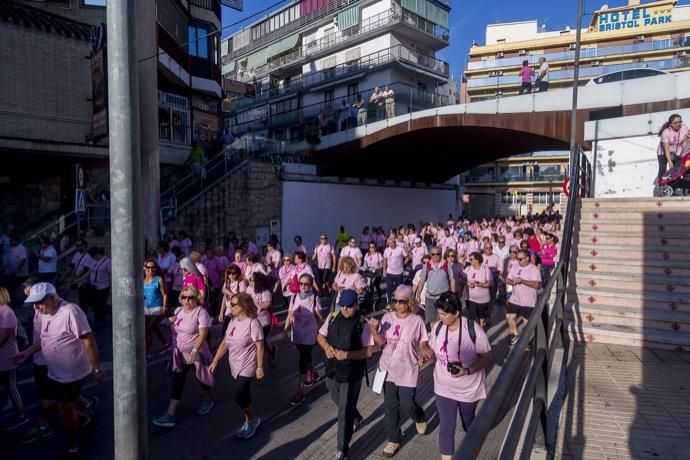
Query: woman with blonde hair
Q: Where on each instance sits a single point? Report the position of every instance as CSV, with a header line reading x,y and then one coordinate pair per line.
x,y
347,278
245,344
190,325
400,333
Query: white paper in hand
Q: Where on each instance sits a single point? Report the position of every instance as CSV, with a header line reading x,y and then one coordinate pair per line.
x,y
379,379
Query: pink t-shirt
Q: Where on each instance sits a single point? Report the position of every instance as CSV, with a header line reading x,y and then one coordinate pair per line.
x,y
478,294
524,295
301,248
8,350
395,259
355,253
399,356
63,349
548,253
272,261
38,356
100,273
193,280
241,265
348,281
214,269
176,276
324,258
305,326
235,287
673,139
264,316
493,263
286,274
374,260
186,327
364,241
526,74
17,254
448,243
249,270
417,253
468,388
380,240
240,339
304,268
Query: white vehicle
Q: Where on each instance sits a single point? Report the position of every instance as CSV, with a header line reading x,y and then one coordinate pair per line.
x,y
629,74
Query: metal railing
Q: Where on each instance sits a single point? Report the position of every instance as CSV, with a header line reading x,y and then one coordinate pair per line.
x,y
397,53
488,178
310,50
541,337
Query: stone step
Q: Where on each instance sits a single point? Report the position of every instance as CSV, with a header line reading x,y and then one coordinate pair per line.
x,y
630,336
649,318
643,284
628,253
635,239
635,205
610,296
650,218
633,266
629,227
649,245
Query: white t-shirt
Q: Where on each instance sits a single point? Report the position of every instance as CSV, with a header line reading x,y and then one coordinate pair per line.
x,y
49,266
544,67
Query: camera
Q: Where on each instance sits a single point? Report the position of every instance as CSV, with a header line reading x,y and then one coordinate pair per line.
x,y
454,368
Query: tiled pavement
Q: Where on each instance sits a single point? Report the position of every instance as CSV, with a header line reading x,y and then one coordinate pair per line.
x,y
626,402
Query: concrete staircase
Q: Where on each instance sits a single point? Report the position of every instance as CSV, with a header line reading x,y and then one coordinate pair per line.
x,y
630,273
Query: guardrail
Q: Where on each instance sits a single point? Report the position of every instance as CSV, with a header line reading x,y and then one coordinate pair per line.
x,y
514,178
543,335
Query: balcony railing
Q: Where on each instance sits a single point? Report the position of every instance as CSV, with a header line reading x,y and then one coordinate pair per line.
x,y
366,63
211,5
501,178
585,53
585,72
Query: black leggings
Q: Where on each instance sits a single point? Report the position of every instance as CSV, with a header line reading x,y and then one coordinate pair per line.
x,y
179,379
304,357
242,394
8,381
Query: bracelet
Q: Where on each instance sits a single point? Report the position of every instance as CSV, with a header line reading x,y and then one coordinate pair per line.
x,y
259,368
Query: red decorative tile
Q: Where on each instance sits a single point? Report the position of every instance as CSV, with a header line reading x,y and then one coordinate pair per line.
x,y
596,204
673,306
659,204
595,240
594,253
590,338
660,215
595,215
589,317
666,256
663,241
595,227
667,271
675,326
592,283
670,288
593,267
591,299
661,228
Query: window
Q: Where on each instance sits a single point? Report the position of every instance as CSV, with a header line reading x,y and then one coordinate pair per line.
x,y
507,198
198,42
555,198
588,52
540,198
94,2
352,90
686,40
661,43
173,118
329,96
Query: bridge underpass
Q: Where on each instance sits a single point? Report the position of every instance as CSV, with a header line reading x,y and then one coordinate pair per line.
x,y
434,145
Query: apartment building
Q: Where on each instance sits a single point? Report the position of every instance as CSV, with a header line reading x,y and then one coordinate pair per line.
x,y
652,35
291,70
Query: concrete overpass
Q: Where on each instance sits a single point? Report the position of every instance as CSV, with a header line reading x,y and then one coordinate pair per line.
x,y
434,145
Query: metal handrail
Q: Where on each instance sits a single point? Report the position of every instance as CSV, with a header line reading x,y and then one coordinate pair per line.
x,y
546,334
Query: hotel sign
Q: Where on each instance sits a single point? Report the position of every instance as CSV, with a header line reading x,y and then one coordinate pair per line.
x,y
633,18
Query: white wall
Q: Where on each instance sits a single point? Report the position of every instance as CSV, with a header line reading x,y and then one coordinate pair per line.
x,y
375,8
368,47
310,208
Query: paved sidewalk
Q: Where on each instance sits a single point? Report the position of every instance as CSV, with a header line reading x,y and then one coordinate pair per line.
x,y
626,402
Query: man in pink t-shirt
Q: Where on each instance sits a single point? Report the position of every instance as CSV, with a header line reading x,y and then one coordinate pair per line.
x,y
324,256
70,352
526,280
394,258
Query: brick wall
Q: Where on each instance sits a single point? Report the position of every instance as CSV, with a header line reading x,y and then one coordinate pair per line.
x,y
248,200
44,96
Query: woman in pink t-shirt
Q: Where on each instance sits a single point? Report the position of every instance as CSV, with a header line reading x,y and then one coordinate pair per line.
x,y
459,376
479,280
192,277
245,344
259,290
400,332
526,74
286,279
347,278
303,267
272,260
525,278
233,284
190,325
304,318
673,137
253,266
373,261
238,260
8,350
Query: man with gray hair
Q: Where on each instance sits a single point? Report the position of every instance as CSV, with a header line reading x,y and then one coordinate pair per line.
x,y
543,75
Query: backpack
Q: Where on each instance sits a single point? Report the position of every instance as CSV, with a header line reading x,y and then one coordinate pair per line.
x,y
470,328
360,328
294,285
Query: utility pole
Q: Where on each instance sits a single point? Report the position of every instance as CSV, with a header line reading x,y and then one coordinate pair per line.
x,y
129,370
576,83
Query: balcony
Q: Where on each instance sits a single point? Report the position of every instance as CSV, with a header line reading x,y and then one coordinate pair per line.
x,y
585,53
505,178
210,5
585,72
400,54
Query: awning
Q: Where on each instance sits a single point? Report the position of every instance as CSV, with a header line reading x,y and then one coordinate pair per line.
x,y
427,10
337,82
425,72
283,45
229,67
257,59
348,18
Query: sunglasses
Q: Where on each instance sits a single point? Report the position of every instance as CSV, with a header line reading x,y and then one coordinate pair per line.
x,y
347,306
150,267
187,297
435,253
287,260
322,238
522,258
400,301
513,252
305,284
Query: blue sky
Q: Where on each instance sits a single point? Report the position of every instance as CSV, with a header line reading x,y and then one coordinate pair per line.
x,y
468,19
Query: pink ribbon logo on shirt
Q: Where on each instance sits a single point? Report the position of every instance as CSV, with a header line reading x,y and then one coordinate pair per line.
x,y
474,276
177,322
444,347
47,326
232,331
397,330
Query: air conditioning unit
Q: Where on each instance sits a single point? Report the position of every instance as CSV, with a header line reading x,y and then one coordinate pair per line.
x,y
682,53
496,73
499,92
595,63
523,52
640,38
499,55
573,46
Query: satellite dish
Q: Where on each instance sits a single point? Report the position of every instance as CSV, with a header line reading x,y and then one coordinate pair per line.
x,y
543,26
604,7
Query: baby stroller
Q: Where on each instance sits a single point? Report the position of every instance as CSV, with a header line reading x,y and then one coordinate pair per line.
x,y
369,298
676,178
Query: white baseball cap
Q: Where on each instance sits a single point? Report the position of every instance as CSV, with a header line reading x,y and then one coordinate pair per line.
x,y
39,291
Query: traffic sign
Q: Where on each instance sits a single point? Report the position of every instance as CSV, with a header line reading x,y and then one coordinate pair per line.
x,y
80,201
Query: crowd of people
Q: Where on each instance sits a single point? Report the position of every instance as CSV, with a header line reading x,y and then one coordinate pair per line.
x,y
442,282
